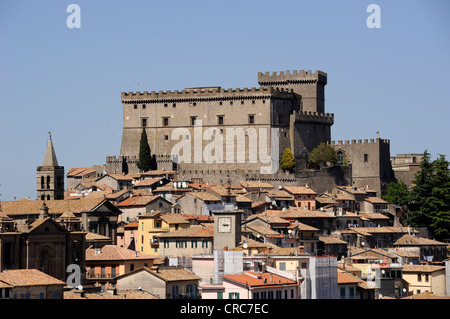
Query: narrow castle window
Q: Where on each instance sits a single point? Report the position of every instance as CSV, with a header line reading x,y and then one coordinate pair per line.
x,y
220,119
174,105
165,121
135,106
143,106
366,158
165,104
242,102
143,122
251,119
193,120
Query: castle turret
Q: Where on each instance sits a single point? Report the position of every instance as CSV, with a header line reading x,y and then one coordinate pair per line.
x,y
50,176
310,85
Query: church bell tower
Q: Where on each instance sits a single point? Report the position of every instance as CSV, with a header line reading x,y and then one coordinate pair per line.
x,y
50,176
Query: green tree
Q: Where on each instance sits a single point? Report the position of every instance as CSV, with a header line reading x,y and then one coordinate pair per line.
x,y
287,161
146,161
322,155
397,193
430,197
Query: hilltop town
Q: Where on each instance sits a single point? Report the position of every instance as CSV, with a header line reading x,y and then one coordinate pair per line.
x,y
223,230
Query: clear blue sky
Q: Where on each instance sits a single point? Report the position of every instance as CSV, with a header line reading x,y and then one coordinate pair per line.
x,y
393,79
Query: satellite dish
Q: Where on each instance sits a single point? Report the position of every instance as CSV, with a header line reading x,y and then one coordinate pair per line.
x,y
245,245
280,187
80,287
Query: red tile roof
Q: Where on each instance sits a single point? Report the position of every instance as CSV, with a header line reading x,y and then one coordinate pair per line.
x,y
255,280
28,277
113,252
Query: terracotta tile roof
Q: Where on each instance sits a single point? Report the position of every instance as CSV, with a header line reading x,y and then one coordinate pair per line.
x,y
252,184
242,199
80,171
342,197
287,251
405,252
205,196
148,181
131,225
121,294
280,195
375,200
353,190
374,216
256,280
329,240
192,231
221,191
93,236
138,201
382,230
299,190
326,200
142,192
175,274
263,230
344,277
410,240
113,252
299,212
57,207
120,177
158,172
118,194
174,219
422,268
426,295
303,227
28,277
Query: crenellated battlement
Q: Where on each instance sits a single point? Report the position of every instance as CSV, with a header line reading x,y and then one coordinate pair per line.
x,y
306,116
291,77
204,93
360,141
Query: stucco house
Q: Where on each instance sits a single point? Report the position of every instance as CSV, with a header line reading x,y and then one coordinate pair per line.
x,y
164,283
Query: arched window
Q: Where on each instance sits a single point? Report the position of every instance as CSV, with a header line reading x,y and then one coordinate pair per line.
x,y
42,181
48,181
48,197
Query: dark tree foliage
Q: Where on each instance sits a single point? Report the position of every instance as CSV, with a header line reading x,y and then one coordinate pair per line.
x,y
429,204
146,161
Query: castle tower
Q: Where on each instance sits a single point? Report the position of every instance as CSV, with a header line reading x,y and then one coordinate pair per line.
x,y
310,85
50,176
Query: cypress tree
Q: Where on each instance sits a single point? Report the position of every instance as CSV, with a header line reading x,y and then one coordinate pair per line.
x,y
145,159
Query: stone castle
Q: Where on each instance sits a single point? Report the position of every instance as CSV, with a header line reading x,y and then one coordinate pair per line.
x,y
291,104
